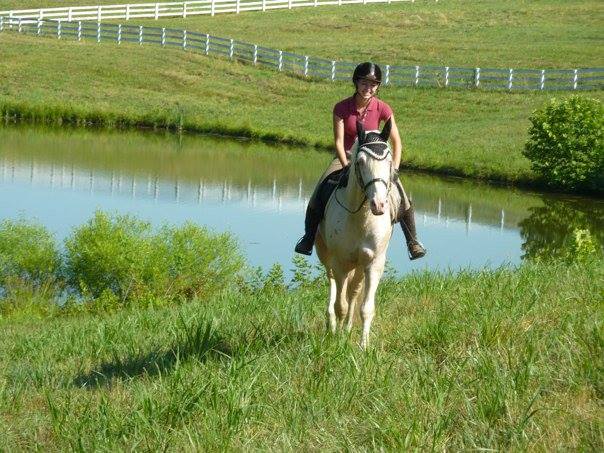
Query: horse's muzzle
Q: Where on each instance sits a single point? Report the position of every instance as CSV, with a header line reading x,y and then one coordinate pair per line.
x,y
378,207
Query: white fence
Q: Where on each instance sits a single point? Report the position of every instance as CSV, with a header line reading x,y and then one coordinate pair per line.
x,y
303,65
174,9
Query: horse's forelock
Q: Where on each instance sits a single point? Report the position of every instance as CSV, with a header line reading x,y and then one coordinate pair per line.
x,y
373,137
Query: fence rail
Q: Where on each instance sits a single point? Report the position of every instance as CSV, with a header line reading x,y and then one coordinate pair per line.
x,y
307,66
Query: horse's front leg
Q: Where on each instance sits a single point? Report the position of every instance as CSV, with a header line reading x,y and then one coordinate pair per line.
x,y
341,303
354,288
331,310
373,274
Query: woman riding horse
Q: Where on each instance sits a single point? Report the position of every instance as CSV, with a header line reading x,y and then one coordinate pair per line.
x,y
366,108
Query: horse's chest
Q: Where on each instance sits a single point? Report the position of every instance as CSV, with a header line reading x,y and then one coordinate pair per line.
x,y
352,239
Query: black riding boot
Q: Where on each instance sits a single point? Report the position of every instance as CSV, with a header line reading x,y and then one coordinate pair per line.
x,y
311,223
316,209
416,250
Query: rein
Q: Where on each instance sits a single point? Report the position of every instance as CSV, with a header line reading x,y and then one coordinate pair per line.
x,y
362,184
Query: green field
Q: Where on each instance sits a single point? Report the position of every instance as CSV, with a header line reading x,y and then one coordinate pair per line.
x,y
508,33
470,133
467,133
504,360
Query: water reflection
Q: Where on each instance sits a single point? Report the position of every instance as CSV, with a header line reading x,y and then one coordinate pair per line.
x,y
549,229
259,193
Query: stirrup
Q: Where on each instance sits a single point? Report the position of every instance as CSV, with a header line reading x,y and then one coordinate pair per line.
x,y
303,247
419,254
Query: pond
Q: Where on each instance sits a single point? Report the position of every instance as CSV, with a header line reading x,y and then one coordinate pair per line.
x,y
259,193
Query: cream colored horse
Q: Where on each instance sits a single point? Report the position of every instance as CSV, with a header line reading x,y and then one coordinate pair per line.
x,y
356,229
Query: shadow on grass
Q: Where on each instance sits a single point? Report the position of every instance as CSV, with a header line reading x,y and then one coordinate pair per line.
x,y
199,341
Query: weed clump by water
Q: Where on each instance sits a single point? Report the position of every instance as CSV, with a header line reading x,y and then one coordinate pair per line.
x,y
29,266
114,260
28,254
120,258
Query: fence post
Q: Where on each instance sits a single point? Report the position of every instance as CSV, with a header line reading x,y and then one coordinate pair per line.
x,y
99,13
140,35
207,44
20,29
184,10
119,33
212,6
79,30
510,79
59,29
387,78
542,85
127,11
184,39
306,66
98,32
69,14
163,36
289,4
316,2
333,70
156,11
39,26
263,5
1,23
280,60
237,7
575,79
255,54
446,76
477,77
231,49
416,76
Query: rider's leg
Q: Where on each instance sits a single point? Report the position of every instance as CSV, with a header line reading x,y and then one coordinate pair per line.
x,y
407,222
315,210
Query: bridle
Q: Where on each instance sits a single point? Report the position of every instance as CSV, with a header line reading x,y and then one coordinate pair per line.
x,y
372,151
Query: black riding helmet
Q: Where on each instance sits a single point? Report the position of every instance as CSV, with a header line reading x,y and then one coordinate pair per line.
x,y
367,70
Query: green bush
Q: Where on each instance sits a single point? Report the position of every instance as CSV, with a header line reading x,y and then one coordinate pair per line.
x,y
196,261
565,143
117,259
28,255
111,253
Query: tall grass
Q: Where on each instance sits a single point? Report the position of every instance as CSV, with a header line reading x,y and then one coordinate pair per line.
x,y
506,359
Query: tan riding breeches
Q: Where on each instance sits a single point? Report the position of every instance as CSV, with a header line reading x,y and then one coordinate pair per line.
x,y
335,165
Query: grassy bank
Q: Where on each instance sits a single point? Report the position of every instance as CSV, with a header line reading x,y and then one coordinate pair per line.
x,y
507,359
465,133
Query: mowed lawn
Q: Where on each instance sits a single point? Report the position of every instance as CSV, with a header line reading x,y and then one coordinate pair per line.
x,y
480,33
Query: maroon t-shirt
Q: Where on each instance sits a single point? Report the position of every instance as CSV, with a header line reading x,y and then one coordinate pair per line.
x,y
376,112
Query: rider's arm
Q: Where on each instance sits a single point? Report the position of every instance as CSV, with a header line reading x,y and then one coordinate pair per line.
x,y
338,137
397,145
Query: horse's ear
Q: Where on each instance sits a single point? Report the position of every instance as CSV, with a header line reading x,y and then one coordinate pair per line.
x,y
385,134
360,132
